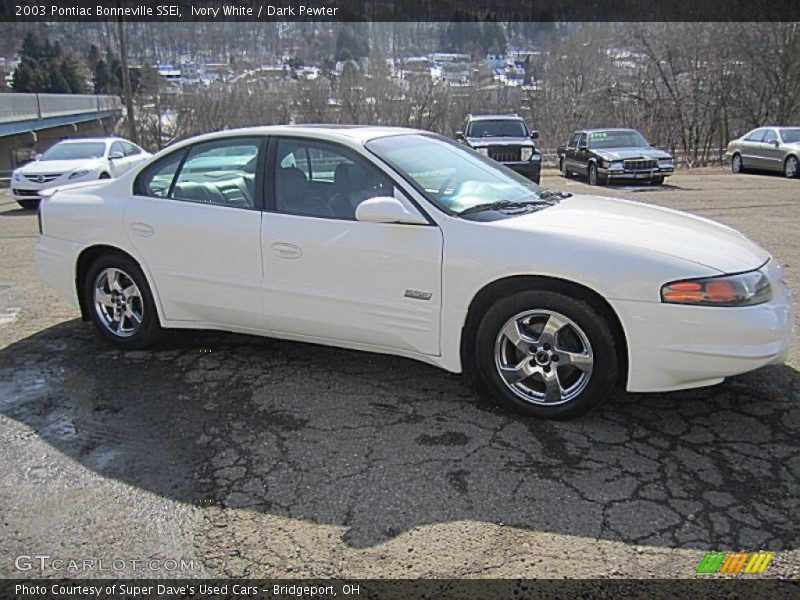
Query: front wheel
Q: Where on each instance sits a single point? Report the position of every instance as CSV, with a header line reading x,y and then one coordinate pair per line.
x,y
658,180
790,167
546,354
564,170
120,303
594,176
737,164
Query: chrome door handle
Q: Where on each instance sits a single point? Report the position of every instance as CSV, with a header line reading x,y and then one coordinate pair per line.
x,y
283,250
142,230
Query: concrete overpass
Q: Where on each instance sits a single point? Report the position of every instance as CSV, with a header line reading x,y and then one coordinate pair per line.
x,y
31,123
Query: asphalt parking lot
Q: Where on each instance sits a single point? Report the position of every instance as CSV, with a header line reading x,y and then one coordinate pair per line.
x,y
261,458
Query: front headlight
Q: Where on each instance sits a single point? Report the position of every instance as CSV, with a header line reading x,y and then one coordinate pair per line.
x,y
617,165
77,174
664,162
15,176
525,153
484,151
744,289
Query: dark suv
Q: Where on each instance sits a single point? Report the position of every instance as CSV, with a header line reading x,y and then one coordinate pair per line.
x,y
506,139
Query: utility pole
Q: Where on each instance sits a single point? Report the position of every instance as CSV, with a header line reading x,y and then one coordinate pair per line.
x,y
126,82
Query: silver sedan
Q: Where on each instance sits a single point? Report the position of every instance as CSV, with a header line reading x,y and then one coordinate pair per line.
x,y
767,149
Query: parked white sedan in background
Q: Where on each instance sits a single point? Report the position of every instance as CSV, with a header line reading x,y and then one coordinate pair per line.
x,y
72,161
403,242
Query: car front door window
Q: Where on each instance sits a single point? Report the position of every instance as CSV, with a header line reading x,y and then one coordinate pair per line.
x,y
316,179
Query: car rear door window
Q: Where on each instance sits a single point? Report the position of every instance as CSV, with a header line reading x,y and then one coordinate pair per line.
x,y
756,135
221,172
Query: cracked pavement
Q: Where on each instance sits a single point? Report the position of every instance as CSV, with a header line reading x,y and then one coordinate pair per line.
x,y
262,458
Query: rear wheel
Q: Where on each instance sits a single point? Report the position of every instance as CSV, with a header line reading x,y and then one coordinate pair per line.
x,y
737,164
791,167
546,354
564,170
120,303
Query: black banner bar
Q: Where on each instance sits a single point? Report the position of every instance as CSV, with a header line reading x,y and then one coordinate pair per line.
x,y
403,589
402,10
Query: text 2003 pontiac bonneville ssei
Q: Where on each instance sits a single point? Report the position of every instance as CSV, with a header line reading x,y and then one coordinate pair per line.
x,y
402,242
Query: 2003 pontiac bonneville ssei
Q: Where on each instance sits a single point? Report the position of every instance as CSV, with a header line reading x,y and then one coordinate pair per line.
x,y
400,241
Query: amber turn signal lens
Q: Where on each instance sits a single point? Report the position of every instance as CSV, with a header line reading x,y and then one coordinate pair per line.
x,y
744,289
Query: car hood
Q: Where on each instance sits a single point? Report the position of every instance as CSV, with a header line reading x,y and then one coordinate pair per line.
x,y
662,230
43,167
623,153
499,141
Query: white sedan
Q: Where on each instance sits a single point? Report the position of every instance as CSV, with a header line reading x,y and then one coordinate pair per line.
x,y
73,161
402,242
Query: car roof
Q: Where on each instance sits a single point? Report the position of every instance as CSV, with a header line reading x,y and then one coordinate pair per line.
x,y
595,129
351,134
494,117
91,139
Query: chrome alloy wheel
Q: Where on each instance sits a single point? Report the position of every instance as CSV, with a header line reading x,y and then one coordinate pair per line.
x,y
790,170
118,302
543,357
736,164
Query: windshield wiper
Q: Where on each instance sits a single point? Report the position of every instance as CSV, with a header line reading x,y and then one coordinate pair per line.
x,y
500,204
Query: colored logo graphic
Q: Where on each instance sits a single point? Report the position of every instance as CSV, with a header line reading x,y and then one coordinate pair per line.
x,y
735,562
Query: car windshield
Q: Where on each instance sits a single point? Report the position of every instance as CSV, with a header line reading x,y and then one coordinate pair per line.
x,y
452,177
75,151
497,128
599,140
791,135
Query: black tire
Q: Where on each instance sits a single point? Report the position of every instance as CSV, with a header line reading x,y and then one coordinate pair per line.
x,y
657,180
564,171
104,176
737,164
791,167
593,176
598,384
28,204
149,329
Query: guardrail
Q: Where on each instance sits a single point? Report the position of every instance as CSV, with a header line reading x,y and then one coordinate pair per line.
x,y
25,107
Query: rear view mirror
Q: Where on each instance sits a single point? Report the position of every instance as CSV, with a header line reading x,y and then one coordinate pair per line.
x,y
385,209
534,135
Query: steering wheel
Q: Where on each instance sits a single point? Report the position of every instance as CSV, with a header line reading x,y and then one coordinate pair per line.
x,y
445,184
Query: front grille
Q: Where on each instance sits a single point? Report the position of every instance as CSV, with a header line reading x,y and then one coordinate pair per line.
x,y
504,153
43,178
640,164
17,192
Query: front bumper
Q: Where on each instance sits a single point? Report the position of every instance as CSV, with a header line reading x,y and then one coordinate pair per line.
x,y
630,175
530,169
672,346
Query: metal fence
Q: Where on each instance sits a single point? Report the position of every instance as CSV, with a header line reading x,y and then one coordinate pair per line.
x,y
26,107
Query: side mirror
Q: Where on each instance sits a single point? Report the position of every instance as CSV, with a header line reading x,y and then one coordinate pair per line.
x,y
534,135
116,156
775,143
385,209
459,135
37,157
